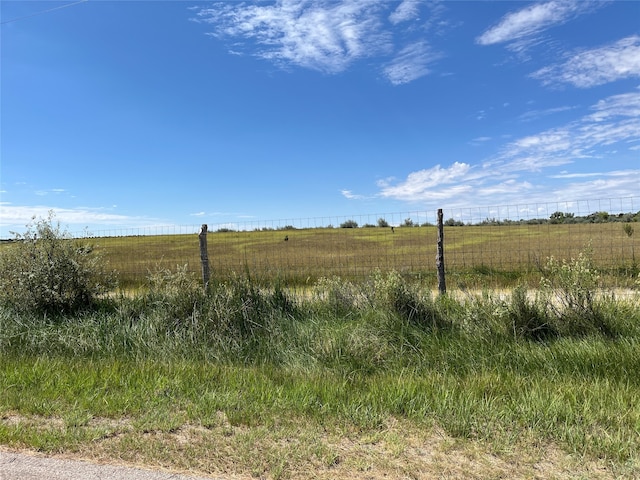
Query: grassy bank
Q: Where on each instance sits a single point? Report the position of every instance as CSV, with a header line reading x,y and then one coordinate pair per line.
x,y
350,381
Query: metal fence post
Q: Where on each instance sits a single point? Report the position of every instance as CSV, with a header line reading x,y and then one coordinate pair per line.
x,y
442,287
204,256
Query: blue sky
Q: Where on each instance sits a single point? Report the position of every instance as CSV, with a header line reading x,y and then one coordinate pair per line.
x,y
130,114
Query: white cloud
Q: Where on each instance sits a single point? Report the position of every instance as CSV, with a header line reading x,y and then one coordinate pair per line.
x,y
614,121
326,35
350,195
625,104
410,64
598,66
530,21
16,217
536,114
619,184
407,10
423,183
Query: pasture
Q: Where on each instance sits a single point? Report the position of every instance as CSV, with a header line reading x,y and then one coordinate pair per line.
x,y
475,256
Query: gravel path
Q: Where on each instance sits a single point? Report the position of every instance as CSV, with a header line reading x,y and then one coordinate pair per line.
x,y
18,466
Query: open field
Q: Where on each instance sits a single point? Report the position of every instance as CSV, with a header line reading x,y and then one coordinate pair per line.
x,y
475,256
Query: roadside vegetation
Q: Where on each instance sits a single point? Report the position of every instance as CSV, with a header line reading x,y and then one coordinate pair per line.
x,y
349,380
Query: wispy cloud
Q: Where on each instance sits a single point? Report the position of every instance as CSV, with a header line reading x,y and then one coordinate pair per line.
x,y
521,27
327,35
350,195
536,114
410,64
612,122
407,10
428,183
594,67
615,119
16,217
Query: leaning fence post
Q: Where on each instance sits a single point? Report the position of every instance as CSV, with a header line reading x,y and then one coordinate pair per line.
x,y
204,256
442,287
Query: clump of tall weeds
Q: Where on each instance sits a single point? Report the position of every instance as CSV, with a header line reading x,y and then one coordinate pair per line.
x,y
529,318
395,294
339,296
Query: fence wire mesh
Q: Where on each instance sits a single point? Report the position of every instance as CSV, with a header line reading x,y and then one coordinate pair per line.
x,y
484,244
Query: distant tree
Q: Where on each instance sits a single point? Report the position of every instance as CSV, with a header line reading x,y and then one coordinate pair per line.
x,y
561,217
407,223
451,222
383,223
349,224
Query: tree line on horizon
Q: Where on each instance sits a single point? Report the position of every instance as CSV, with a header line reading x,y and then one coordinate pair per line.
x,y
557,217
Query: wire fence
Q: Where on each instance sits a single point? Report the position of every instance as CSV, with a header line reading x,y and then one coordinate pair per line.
x,y
482,245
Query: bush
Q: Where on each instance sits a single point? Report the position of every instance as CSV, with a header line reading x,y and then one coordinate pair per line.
x,y
349,224
571,288
44,270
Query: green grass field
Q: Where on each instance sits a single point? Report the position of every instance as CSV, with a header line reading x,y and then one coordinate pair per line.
x,y
475,256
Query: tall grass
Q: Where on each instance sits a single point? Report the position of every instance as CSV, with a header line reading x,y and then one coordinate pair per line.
x,y
557,365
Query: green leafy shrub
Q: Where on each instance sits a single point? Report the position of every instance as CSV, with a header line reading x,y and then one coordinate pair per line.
x,y
572,289
45,270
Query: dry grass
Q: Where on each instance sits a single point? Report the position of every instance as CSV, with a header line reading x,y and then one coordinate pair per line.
x,y
473,254
303,450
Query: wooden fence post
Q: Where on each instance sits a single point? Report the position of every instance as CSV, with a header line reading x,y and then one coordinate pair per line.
x,y
204,256
442,287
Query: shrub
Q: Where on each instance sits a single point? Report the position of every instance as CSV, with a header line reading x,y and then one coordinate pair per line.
x,y
571,288
47,271
349,224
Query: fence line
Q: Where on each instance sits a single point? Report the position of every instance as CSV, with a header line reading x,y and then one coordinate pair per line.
x,y
486,242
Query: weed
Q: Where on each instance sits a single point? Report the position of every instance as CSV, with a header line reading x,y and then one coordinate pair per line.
x,y
529,318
